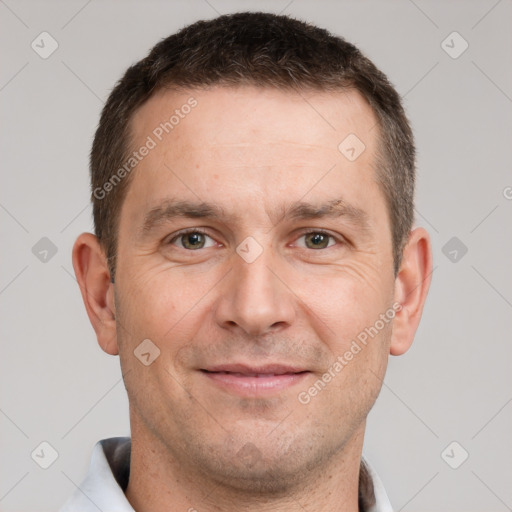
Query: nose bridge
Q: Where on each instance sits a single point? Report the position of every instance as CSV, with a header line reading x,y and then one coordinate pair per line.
x,y
254,298
254,278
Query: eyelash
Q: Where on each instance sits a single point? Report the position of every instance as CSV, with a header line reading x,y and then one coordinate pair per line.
x,y
204,232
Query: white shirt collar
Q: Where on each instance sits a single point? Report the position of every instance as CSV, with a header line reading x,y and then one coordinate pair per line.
x,y
109,471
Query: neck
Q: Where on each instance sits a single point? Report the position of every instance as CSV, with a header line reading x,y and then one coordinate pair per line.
x,y
159,483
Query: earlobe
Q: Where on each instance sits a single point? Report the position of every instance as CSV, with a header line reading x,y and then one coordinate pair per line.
x,y
411,288
93,276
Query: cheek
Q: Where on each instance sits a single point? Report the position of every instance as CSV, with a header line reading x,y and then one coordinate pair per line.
x,y
346,301
167,308
358,342
150,308
155,301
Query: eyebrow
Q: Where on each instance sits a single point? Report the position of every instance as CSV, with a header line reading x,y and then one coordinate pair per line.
x,y
332,209
300,210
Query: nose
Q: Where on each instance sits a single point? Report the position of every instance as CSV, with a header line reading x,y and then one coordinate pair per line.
x,y
255,297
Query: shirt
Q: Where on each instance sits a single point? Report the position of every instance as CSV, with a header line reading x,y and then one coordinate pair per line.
x,y
107,479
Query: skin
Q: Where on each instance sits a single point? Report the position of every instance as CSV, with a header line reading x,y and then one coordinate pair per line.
x,y
253,152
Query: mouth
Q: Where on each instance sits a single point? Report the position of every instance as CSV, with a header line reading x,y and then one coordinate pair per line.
x,y
254,380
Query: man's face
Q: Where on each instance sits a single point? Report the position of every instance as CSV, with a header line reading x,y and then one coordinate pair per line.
x,y
258,302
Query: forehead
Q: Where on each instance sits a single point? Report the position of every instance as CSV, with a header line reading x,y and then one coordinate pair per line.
x,y
224,115
253,144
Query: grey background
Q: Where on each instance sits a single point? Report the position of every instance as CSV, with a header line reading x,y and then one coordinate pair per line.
x,y
453,385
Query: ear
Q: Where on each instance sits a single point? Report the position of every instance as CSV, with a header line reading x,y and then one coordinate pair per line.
x,y
411,287
93,276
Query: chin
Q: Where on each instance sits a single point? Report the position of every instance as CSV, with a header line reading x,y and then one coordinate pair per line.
x,y
268,477
273,469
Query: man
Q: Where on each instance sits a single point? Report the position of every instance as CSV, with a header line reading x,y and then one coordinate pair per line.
x,y
254,265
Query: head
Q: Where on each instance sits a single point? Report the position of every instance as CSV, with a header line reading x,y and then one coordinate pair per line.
x,y
253,183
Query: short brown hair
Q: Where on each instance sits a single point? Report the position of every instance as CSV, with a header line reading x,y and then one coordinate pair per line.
x,y
266,50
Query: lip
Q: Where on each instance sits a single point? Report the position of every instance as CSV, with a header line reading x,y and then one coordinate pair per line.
x,y
254,380
276,369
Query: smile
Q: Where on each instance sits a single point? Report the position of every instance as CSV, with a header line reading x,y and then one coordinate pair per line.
x,y
247,381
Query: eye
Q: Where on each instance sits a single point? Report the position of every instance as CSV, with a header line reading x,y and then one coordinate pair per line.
x,y
318,240
192,240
